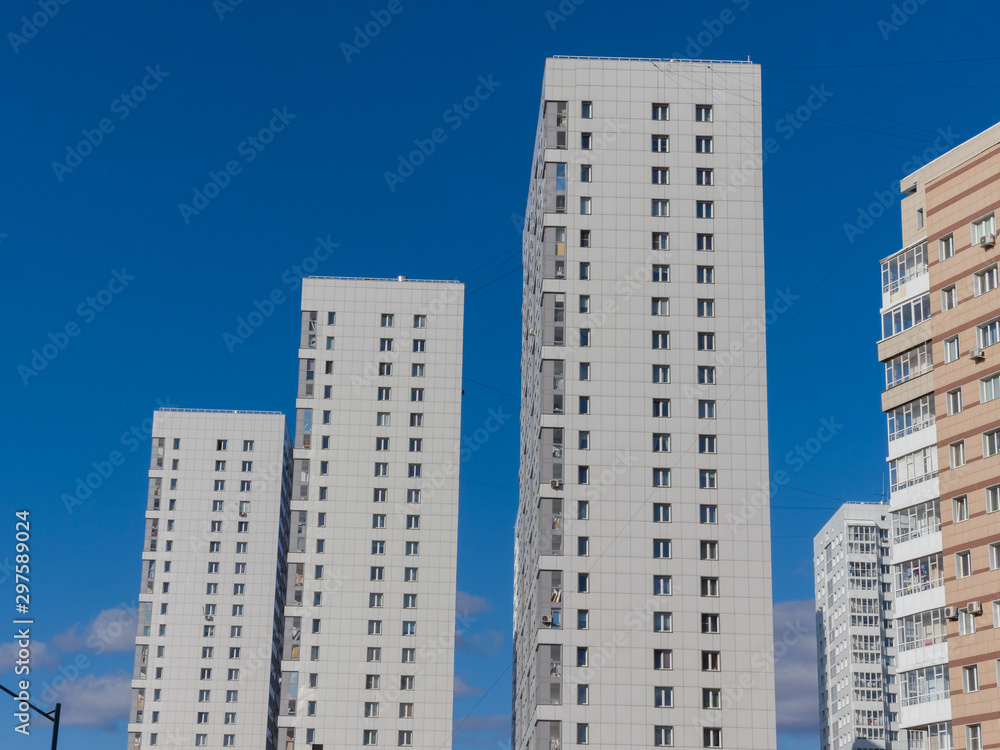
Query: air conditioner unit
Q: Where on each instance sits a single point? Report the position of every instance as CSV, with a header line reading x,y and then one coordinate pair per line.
x,y
546,619
555,484
243,514
988,241
209,618
951,613
977,354
974,608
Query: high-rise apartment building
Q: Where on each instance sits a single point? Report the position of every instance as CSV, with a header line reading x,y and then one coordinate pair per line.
x,y
642,566
212,589
370,613
855,633
941,321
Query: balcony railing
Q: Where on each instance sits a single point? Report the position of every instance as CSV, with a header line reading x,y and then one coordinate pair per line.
x,y
910,275
918,532
915,700
928,640
917,586
903,484
911,428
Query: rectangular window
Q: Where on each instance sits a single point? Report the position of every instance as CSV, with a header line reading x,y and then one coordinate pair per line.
x,y
973,737
706,409
711,737
661,273
583,583
660,306
582,734
960,509
986,280
703,113
709,550
661,477
956,454
661,585
582,695
963,564
661,144
661,111
661,513
706,308
586,173
703,145
993,498
707,479
709,514
419,345
661,176
661,443
710,587
586,206
706,375
583,475
706,444
946,246
706,342
704,209
585,371
661,339
419,321
586,141
661,373
584,271
583,440
583,510
951,349
706,242
385,345
949,298
661,549
661,241
711,661
662,622
660,207
954,401
705,177
663,736
661,407
663,659
582,619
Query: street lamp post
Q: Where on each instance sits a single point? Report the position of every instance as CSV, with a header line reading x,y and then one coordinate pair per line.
x,y
52,715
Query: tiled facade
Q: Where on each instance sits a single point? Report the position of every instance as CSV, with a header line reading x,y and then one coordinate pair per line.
x,y
212,589
370,610
857,644
642,590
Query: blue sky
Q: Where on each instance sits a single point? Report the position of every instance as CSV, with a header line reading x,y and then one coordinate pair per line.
x,y
124,266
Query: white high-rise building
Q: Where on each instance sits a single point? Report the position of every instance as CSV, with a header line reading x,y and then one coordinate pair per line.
x,y
855,633
370,617
213,588
643,565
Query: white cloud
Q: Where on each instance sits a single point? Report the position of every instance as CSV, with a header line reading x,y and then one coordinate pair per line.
x,y
111,631
42,656
98,702
796,678
467,604
464,690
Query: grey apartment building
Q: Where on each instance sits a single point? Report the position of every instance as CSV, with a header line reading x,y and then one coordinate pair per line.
x,y
368,655
855,631
642,589
213,581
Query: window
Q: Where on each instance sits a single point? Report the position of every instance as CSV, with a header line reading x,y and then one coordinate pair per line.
x,y
211,588
584,404
706,242
582,695
663,736
946,246
661,513
583,546
386,321
661,339
704,209
661,373
662,659
660,207
661,241
709,514
584,238
586,141
586,173
949,298
409,601
982,227
660,306
585,371
382,444
414,471
381,469
376,574
711,661
661,273
661,443
409,655
661,477
583,475
709,550
993,498
710,587
412,522
379,494
661,585
989,388
661,407
707,479
963,564
991,443
662,622
661,548
582,734
583,510
985,280
712,737
705,177
954,401
710,623
370,737
374,654
419,345
920,218
385,345
412,548
703,113
409,627
374,627
661,176
905,316
384,368
956,454
416,394
661,111
970,678
219,485
406,682
951,349
416,420
706,375
974,737
410,575
661,144
416,445
703,145
582,619
419,321
413,496
583,583
200,740
706,308
586,206
706,444
706,342
221,445
581,656
371,682
405,735
706,409
584,271
384,394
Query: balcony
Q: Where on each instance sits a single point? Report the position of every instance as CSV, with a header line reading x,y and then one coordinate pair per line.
x,y
911,428
912,481
918,532
922,698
